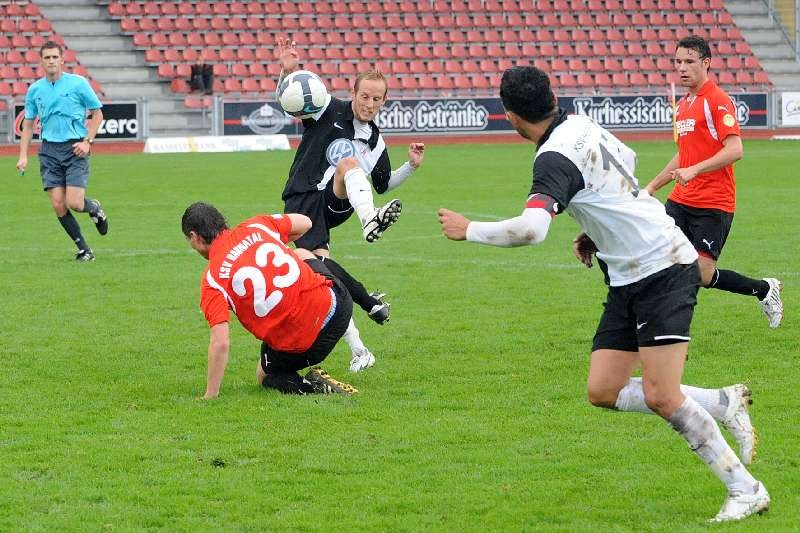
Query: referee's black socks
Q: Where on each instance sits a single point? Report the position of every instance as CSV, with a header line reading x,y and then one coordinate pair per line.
x,y
72,228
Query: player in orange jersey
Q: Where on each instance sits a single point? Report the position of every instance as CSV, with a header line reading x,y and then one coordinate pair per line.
x,y
703,200
286,298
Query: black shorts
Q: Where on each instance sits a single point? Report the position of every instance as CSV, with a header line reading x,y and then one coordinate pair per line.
x,y
59,167
706,229
278,361
654,311
325,210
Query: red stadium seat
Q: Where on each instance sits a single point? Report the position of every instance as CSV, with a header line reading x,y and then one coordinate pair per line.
x,y
638,79
761,78
153,55
166,70
197,102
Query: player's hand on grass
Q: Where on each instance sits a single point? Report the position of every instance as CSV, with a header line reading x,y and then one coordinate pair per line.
x,y
584,248
288,55
416,152
454,225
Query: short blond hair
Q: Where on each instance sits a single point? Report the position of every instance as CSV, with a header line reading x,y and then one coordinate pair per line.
x,y
372,74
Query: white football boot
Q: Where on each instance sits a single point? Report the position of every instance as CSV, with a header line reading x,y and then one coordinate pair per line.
x,y
737,421
772,305
362,359
738,506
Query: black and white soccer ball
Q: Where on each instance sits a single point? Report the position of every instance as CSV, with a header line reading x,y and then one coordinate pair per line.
x,y
302,93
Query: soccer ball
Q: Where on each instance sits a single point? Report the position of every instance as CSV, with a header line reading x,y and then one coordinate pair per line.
x,y
302,93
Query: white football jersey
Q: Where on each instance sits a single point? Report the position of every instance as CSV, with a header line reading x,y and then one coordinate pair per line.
x,y
634,235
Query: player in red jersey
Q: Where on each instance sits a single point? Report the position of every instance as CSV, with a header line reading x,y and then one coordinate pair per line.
x,y
286,298
703,200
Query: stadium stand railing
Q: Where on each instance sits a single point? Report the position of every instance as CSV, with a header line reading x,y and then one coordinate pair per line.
x,y
444,47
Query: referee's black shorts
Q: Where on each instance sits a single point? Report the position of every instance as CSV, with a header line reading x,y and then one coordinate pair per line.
x,y
654,311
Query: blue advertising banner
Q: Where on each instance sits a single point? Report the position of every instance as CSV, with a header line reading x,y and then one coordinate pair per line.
x,y
463,115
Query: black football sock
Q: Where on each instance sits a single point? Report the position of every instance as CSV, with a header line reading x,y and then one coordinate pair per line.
x,y
728,280
90,206
354,287
72,228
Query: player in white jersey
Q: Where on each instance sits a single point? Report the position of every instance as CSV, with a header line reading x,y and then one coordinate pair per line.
x,y
651,269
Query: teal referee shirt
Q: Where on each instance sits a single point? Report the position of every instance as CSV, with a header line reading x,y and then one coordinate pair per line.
x,y
61,106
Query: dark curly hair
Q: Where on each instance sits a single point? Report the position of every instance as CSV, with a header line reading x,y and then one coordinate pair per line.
x,y
526,92
203,219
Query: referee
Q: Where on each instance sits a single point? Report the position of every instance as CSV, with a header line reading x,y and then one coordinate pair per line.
x,y
61,101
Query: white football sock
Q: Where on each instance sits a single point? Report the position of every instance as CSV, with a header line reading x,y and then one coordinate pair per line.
x,y
697,426
631,399
359,192
353,338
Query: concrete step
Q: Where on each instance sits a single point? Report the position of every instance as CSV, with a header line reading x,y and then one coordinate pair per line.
x,y
785,81
748,22
100,28
165,106
135,90
81,43
746,7
774,66
92,59
74,12
773,51
124,74
67,3
765,36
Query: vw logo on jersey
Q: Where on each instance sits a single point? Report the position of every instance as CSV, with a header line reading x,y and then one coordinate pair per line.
x,y
338,150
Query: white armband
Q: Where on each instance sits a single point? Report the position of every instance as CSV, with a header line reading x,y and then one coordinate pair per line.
x,y
400,175
529,228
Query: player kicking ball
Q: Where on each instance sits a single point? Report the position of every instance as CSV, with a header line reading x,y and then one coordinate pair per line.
x,y
284,297
341,157
652,272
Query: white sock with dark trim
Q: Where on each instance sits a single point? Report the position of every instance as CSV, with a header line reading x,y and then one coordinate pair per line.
x,y
359,192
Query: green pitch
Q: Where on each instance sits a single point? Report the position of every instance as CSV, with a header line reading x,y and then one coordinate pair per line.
x,y
473,419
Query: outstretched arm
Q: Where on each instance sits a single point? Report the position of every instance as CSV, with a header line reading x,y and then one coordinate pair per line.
x,y
529,228
416,153
218,348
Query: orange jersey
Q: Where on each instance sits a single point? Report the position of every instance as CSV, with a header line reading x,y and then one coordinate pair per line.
x,y
703,122
274,294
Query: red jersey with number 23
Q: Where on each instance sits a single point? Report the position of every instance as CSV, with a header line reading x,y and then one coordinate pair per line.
x,y
275,295
703,122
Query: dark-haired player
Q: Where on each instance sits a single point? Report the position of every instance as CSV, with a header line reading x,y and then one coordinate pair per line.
x,y
703,200
285,298
651,269
341,145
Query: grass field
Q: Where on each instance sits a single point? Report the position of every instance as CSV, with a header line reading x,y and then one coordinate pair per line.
x,y
473,419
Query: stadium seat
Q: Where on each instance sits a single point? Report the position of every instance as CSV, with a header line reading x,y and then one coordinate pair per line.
x,y
744,77
251,85
166,70
762,78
